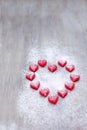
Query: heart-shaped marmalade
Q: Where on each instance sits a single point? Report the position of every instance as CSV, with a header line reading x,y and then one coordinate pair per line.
x,y
53,99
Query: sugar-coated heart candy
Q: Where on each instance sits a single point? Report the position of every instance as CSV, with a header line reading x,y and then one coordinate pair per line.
x,y
33,68
30,76
70,68
53,99
74,77
70,86
52,68
62,63
62,93
44,92
42,63
35,85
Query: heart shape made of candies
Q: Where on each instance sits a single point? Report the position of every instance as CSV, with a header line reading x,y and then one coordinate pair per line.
x,y
53,99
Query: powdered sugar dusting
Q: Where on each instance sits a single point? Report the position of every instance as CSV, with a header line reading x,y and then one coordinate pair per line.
x,y
29,100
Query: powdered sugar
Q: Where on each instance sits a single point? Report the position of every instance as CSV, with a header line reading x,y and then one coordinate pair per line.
x,y
30,102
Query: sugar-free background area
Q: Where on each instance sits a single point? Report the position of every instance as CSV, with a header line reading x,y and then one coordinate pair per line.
x,y
58,26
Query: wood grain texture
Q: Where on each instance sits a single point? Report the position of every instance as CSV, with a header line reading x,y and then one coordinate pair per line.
x,y
29,23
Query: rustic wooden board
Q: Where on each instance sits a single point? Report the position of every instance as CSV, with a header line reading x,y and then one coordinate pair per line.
x,y
25,24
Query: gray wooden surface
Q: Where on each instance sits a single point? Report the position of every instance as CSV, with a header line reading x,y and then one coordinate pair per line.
x,y
30,23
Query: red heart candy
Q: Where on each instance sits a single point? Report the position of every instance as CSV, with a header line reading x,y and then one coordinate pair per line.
x,y
44,92
52,68
70,86
62,63
53,99
42,63
74,77
35,85
30,76
33,68
62,93
70,68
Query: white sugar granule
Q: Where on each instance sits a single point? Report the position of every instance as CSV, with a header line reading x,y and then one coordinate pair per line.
x,y
36,110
